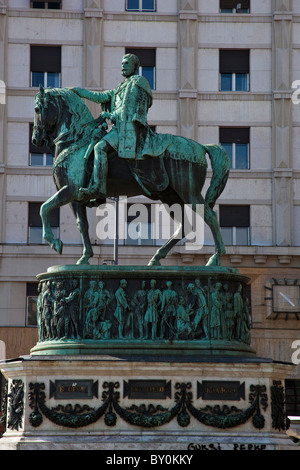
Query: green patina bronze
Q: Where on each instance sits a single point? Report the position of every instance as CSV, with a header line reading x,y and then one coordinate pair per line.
x,y
92,163
153,311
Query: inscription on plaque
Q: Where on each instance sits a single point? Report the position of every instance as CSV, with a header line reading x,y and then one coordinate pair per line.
x,y
66,389
221,390
153,389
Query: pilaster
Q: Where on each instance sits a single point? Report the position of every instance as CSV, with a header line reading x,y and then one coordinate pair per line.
x,y
3,112
187,69
282,123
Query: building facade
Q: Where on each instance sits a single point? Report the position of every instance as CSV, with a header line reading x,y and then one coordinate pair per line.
x,y
221,71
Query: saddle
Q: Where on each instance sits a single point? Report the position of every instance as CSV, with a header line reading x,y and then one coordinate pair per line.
x,y
150,174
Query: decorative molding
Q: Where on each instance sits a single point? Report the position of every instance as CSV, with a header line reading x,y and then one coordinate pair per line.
x,y
78,416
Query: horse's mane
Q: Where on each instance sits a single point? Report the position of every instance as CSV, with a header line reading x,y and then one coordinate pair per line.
x,y
80,113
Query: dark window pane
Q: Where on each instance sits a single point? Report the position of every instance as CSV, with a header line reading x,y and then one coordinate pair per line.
x,y
148,72
226,82
38,78
53,79
242,235
133,5
241,82
36,159
228,148
49,159
148,5
227,235
241,156
38,4
54,5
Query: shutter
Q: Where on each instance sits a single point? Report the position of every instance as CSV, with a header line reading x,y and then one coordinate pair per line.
x,y
45,59
237,135
32,289
245,4
234,61
147,56
235,216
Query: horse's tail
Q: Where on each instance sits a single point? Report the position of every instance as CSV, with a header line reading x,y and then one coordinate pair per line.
x,y
220,163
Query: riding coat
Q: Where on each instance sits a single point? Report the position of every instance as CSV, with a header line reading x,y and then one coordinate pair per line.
x,y
128,104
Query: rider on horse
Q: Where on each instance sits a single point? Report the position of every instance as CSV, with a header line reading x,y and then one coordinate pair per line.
x,y
126,108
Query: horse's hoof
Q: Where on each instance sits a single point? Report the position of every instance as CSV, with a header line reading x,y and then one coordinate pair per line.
x,y
57,245
83,260
154,262
214,260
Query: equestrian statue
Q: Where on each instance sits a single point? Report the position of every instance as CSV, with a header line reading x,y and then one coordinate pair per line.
x,y
94,161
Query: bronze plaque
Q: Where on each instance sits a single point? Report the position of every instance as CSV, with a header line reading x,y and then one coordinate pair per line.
x,y
154,389
66,389
220,390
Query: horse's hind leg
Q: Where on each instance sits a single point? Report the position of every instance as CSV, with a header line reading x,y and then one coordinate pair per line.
x,y
212,221
83,227
61,198
179,233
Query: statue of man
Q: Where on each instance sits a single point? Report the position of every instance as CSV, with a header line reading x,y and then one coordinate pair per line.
x,y
126,108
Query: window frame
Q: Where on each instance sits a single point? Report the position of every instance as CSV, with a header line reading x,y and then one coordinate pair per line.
x,y
234,136
234,63
44,60
234,228
140,9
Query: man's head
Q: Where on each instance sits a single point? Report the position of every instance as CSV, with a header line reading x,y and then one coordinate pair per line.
x,y
130,65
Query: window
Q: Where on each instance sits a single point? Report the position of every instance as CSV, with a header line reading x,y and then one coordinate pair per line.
x,y
235,224
147,60
236,141
35,229
139,227
235,6
39,156
292,397
31,303
45,66
234,70
50,4
140,5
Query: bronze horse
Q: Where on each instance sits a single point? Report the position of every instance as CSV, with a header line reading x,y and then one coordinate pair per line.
x,y
64,123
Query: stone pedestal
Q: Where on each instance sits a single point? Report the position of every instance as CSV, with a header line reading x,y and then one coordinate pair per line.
x,y
144,358
114,403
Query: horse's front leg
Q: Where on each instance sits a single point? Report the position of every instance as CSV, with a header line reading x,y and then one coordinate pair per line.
x,y
83,227
61,198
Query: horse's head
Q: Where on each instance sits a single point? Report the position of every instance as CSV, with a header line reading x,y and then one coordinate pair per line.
x,y
58,109
45,118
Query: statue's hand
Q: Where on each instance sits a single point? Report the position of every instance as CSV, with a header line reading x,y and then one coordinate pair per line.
x,y
74,89
105,115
